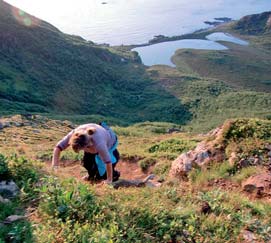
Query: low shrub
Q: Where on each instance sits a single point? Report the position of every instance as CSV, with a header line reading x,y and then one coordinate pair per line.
x,y
5,173
146,163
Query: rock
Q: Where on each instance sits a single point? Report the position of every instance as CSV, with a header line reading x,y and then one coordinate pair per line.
x,y
261,184
268,147
173,129
4,200
243,163
201,157
136,183
9,188
248,236
18,124
233,159
205,208
1,125
6,124
182,165
12,218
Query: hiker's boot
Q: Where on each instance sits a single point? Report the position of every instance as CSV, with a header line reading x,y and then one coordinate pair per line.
x,y
116,175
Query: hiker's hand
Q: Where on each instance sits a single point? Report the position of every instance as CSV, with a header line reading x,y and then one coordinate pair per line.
x,y
107,183
55,168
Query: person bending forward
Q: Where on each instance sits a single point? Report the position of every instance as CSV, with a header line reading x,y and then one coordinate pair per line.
x,y
99,144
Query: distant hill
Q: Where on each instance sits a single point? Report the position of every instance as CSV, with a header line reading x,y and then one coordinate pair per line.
x,y
255,24
45,70
232,83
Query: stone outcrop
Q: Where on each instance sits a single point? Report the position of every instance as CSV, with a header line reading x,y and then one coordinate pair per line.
x,y
220,145
204,153
9,189
259,184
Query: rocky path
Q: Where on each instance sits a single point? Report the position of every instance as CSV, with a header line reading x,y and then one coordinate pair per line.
x,y
128,170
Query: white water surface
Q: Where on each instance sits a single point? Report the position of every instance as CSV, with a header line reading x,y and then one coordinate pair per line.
x,y
135,21
220,36
161,53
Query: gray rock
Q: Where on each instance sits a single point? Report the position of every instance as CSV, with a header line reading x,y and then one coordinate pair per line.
x,y
1,125
18,124
173,129
202,156
12,218
182,165
9,189
4,200
6,124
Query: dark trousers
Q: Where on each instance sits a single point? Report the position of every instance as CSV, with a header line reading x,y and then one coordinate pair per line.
x,y
89,163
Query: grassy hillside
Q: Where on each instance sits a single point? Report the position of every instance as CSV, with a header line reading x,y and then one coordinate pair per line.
x,y
59,207
255,24
44,70
217,85
211,101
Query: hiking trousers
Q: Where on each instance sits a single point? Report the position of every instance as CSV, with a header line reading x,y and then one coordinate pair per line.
x,y
90,165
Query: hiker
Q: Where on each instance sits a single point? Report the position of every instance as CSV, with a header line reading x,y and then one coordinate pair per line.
x,y
99,144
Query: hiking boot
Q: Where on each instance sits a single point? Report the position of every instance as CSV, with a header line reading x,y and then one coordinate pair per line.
x,y
116,175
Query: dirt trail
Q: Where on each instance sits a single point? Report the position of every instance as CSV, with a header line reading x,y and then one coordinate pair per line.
x,y
128,170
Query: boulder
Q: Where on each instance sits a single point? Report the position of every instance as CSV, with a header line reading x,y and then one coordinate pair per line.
x,y
9,188
261,184
248,236
12,218
202,155
4,200
182,165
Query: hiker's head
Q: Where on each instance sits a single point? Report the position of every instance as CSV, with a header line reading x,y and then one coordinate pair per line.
x,y
81,139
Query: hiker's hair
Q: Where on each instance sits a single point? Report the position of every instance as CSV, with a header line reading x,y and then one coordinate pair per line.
x,y
78,141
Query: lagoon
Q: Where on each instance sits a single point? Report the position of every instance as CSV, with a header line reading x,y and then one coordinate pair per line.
x,y
161,53
220,36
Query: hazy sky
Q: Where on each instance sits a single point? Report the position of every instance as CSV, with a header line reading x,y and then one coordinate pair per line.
x,y
135,21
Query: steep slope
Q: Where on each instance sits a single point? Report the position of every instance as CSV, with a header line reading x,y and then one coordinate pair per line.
x,y
255,24
44,70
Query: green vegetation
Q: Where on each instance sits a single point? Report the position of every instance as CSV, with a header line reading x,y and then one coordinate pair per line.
x,y
68,78
26,174
46,71
4,170
69,211
77,80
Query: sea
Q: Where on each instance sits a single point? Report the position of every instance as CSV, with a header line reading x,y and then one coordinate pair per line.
x,y
118,22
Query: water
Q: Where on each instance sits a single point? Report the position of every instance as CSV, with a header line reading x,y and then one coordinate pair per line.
x,y
135,21
220,36
161,53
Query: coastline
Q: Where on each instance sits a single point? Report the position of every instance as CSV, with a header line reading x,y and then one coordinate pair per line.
x,y
198,34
